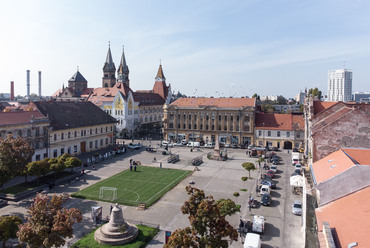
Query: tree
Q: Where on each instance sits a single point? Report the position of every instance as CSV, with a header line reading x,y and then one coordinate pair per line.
x,y
5,175
9,227
208,222
38,168
315,92
281,100
56,165
48,222
15,154
236,194
256,96
267,108
72,162
249,166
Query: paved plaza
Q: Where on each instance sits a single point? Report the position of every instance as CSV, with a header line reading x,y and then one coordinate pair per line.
x,y
217,178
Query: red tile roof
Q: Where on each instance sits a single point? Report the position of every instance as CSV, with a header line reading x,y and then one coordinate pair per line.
x,y
279,121
338,162
217,102
161,88
319,106
18,117
360,155
350,216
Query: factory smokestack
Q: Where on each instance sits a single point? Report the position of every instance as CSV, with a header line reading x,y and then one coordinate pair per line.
x,y
12,91
39,84
28,83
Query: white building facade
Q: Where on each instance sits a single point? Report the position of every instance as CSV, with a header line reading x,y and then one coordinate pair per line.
x,y
340,85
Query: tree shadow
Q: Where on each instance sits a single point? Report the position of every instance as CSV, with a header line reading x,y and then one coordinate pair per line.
x,y
270,231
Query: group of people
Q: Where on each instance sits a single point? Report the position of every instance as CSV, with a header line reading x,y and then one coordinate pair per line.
x,y
133,165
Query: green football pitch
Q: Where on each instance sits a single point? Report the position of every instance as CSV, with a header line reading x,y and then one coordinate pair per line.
x,y
146,185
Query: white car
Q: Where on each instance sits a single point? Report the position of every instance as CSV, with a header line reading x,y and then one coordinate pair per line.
x,y
177,144
273,168
166,143
134,146
297,207
252,240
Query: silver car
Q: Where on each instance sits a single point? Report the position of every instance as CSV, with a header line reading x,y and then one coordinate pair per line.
x,y
297,207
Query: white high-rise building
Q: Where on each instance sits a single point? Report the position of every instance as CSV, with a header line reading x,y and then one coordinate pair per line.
x,y
340,85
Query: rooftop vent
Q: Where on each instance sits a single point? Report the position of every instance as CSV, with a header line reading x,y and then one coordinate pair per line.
x,y
334,165
353,244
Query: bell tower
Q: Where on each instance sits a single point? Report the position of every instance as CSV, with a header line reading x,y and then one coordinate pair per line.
x,y
123,71
109,71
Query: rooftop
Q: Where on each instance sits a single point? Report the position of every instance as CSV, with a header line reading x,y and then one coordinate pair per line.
x,y
349,217
270,121
216,102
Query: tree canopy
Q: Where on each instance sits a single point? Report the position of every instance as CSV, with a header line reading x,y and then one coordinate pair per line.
x,y
209,227
15,154
9,227
38,168
249,166
315,92
48,222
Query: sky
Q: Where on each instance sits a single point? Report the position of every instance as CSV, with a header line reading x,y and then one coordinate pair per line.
x,y
206,47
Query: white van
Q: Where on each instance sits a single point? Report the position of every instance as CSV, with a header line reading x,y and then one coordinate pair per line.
x,y
193,144
258,224
252,240
166,143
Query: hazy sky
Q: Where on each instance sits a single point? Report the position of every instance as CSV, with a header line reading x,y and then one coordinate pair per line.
x,y
207,48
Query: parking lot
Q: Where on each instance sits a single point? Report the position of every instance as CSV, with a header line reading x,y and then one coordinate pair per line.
x,y
217,178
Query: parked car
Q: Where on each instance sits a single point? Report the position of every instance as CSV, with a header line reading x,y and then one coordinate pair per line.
x,y
269,183
252,240
266,199
298,171
274,168
134,146
265,189
275,162
298,167
177,144
151,149
258,224
274,148
166,143
184,142
295,161
193,144
297,207
295,150
227,145
209,145
270,173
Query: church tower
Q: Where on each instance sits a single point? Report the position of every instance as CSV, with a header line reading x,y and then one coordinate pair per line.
x,y
123,71
109,71
160,87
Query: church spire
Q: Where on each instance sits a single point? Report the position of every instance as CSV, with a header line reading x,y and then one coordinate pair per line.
x,y
160,76
109,71
123,70
109,65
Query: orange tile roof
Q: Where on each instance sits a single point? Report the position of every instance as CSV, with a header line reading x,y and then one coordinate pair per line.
x,y
18,117
337,162
319,106
360,155
350,216
217,102
279,121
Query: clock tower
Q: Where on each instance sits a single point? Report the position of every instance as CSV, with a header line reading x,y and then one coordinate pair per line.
x,y
109,71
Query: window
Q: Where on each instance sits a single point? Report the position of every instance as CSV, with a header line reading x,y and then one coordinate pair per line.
x,y
189,125
69,135
201,126
28,132
184,126
219,117
75,134
101,142
189,117
288,134
55,153
62,136
298,135
178,126
69,150
101,129
90,144
106,129
61,151
37,131
106,141
237,118
20,133
37,145
75,149
225,117
278,133
259,133
213,127
195,126
38,157
96,144
90,131
171,125
269,133
85,132
55,136
232,118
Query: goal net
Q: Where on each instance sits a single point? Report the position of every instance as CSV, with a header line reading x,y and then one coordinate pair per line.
x,y
108,193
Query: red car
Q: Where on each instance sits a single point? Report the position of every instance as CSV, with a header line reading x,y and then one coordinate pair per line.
x,y
270,173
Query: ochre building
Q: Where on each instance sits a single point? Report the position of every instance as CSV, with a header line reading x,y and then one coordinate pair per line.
x,y
230,120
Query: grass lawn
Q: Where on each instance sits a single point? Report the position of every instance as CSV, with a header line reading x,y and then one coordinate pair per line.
x,y
20,188
145,235
147,184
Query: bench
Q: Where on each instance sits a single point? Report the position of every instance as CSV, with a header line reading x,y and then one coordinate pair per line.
x,y
197,161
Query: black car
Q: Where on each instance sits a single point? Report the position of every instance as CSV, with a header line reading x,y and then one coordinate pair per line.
x,y
298,171
275,162
266,199
269,183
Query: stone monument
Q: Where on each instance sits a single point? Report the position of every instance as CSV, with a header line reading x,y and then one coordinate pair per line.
x,y
117,231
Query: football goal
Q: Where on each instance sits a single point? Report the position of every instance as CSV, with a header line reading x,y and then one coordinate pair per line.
x,y
110,193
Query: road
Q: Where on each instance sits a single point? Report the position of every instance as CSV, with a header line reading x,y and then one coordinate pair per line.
x,y
217,178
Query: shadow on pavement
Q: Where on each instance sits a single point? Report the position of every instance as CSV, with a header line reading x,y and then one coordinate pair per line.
x,y
270,231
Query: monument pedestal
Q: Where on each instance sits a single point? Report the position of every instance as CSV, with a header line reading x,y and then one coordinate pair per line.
x,y
117,231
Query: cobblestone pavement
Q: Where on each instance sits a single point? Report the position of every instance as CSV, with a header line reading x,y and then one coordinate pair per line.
x,y
217,178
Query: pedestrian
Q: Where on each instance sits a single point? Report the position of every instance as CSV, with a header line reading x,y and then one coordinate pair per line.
x,y
93,166
155,159
134,167
111,208
130,167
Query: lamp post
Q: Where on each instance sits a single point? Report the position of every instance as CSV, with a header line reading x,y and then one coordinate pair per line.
x,y
263,135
